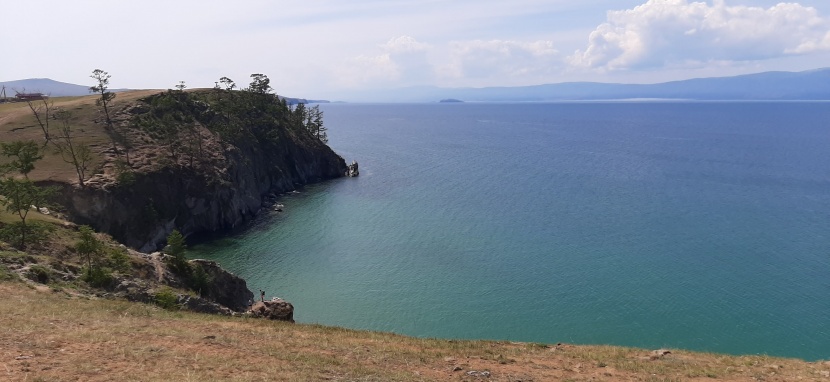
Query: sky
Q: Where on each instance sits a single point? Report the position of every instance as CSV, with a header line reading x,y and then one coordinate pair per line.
x,y
327,48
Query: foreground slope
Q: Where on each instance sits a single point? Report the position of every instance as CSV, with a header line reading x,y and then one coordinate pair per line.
x,y
48,335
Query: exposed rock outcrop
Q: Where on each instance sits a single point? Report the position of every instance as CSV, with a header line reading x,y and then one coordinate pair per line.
x,y
275,309
352,170
225,294
143,291
202,305
225,288
224,187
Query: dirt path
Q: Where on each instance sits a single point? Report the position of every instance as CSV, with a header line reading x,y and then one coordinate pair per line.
x,y
156,259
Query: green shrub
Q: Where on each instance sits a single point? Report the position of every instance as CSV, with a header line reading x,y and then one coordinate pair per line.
x,y
6,274
166,299
98,277
124,174
14,257
39,273
199,280
119,259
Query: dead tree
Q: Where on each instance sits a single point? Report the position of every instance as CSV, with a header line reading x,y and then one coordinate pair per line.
x,y
73,152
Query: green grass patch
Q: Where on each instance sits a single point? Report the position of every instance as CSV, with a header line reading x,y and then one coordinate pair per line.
x,y
6,274
166,299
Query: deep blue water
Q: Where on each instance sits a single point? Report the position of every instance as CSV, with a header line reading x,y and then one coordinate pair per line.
x,y
702,226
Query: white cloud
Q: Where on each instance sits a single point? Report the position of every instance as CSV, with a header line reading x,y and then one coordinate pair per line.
x,y
362,70
308,48
500,59
671,33
402,60
406,61
404,44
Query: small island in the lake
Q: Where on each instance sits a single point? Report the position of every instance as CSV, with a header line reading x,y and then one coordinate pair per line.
x,y
450,100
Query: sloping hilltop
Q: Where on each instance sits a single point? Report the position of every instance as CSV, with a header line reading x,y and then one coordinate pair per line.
x,y
195,161
50,336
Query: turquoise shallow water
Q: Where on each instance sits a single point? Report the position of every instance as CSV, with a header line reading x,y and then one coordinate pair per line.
x,y
703,226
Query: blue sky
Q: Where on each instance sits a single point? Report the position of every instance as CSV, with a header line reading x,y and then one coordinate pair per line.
x,y
326,48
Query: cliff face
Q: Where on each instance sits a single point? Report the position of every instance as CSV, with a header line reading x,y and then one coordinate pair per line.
x,y
221,189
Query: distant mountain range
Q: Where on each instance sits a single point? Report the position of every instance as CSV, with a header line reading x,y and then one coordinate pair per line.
x,y
43,85
46,86
807,85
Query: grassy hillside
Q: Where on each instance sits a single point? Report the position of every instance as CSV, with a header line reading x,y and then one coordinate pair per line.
x,y
18,124
48,335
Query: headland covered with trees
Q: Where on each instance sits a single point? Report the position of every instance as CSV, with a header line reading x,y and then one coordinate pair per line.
x,y
91,186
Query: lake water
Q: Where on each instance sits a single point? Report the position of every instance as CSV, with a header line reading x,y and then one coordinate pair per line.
x,y
701,226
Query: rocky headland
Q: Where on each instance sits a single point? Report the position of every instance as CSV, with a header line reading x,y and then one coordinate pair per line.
x,y
224,170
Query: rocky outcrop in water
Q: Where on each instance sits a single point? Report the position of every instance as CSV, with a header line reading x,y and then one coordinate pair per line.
x,y
352,170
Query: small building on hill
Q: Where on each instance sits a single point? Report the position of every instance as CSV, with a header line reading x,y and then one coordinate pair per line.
x,y
30,96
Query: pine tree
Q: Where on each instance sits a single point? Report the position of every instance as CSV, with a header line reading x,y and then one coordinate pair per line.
x,y
176,249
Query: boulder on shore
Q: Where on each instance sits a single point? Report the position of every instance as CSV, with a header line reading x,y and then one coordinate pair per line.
x,y
276,309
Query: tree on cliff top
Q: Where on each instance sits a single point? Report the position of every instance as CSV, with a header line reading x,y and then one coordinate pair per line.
x,y
102,88
104,100
227,82
260,84
314,124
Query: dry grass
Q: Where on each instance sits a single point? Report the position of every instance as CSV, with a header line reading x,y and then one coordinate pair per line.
x,y
8,217
18,124
50,336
